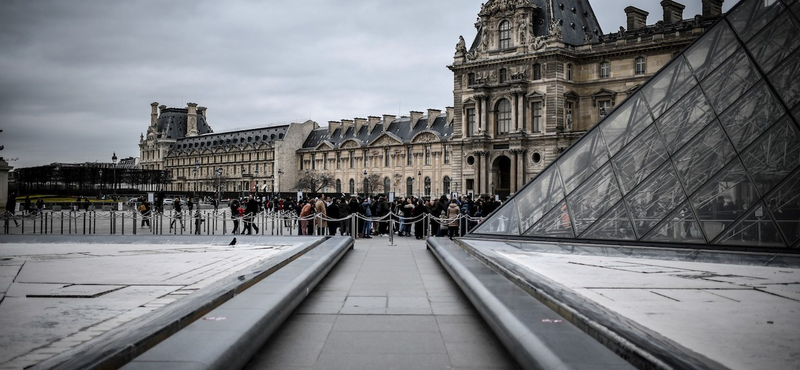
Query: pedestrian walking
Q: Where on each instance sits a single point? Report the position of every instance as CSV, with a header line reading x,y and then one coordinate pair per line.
x,y
234,205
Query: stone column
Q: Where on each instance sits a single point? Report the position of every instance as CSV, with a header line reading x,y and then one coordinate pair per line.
x,y
514,114
514,168
521,112
520,167
478,177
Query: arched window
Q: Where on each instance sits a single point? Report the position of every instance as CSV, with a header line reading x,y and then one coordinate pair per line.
x,y
339,186
427,155
446,184
409,187
352,186
427,186
505,35
387,185
503,116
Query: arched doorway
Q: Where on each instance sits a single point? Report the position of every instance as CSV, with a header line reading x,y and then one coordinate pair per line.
x,y
500,180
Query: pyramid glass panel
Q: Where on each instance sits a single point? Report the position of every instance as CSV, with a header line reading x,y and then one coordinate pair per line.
x,y
582,160
722,200
773,156
685,119
751,115
555,224
704,153
625,123
730,81
784,203
504,221
615,225
750,16
776,41
540,197
593,198
639,159
785,78
711,50
680,227
757,228
655,199
668,86
703,157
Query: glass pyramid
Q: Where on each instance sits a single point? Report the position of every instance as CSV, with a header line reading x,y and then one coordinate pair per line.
x,y
706,152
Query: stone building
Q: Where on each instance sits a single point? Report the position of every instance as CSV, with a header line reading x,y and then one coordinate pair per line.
x,y
407,155
540,73
180,142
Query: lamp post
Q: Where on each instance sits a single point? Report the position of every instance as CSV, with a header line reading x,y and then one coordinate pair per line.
x,y
280,172
101,181
114,160
256,179
419,181
219,178
242,184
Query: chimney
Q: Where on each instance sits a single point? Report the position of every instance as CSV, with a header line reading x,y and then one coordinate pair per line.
x,y
202,111
712,8
332,126
637,18
415,116
346,123
360,122
161,108
387,120
433,114
451,115
191,120
373,121
153,114
673,12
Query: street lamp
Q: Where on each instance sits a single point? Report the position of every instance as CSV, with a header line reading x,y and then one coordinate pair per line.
x,y
114,159
101,181
366,184
492,194
280,172
256,179
419,181
219,177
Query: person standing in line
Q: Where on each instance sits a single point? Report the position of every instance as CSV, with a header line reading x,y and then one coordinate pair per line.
x,y
344,213
452,218
178,214
27,210
366,206
198,221
305,213
333,212
321,216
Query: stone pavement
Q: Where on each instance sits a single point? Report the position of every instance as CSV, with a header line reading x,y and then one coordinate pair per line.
x,y
385,307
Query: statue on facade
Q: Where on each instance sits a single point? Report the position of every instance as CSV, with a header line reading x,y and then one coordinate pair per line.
x,y
522,28
588,38
569,121
538,43
461,46
484,38
555,30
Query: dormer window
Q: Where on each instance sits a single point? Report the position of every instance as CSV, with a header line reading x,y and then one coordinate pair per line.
x,y
505,35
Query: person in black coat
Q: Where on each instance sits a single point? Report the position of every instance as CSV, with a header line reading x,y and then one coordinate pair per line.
x,y
250,211
332,212
344,212
420,221
235,215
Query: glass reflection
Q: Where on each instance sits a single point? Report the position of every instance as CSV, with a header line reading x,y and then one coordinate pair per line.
x,y
785,78
639,159
582,160
713,48
655,199
784,203
773,156
502,222
625,123
593,198
751,115
555,224
723,199
539,197
757,228
703,157
749,17
615,225
668,86
685,119
775,42
680,227
730,81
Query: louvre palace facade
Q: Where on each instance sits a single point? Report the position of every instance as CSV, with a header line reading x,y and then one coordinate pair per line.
x,y
536,77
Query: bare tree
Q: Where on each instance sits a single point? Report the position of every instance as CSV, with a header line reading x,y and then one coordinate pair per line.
x,y
315,182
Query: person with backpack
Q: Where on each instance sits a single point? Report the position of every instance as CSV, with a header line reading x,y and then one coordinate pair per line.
x,y
144,209
178,214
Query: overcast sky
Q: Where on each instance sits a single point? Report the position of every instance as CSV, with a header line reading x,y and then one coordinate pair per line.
x,y
77,77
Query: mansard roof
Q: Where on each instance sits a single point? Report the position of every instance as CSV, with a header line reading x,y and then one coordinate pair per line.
x,y
173,122
224,140
399,128
706,154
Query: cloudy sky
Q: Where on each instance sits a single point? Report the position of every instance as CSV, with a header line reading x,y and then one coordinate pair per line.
x,y
77,77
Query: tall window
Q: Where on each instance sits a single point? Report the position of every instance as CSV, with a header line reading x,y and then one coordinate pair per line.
x,y
427,155
470,121
366,186
302,162
470,79
605,70
503,116
503,75
385,157
387,185
338,158
569,72
409,160
505,35
537,71
446,153
427,186
409,187
640,66
339,186
537,117
352,159
366,159
325,161
352,186
446,185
